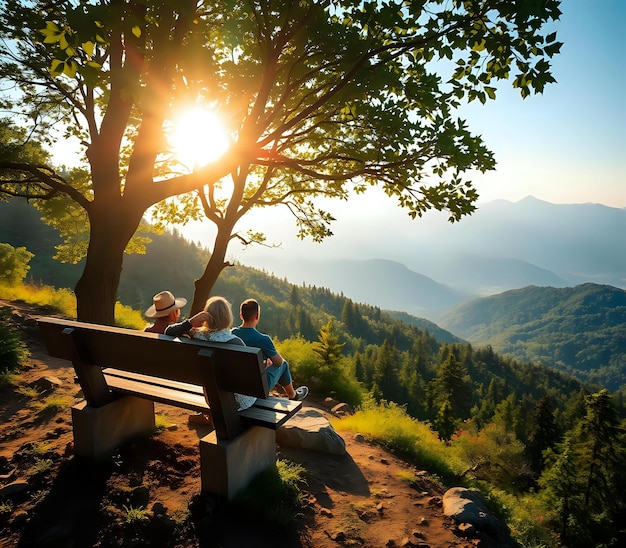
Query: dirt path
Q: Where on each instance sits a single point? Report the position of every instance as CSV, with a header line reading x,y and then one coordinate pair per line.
x,y
364,498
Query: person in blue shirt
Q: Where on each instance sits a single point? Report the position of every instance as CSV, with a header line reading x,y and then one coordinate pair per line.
x,y
277,368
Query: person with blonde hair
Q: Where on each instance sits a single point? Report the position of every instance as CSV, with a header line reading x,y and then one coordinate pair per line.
x,y
216,328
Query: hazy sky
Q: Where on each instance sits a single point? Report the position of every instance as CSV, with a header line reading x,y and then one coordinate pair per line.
x,y
567,145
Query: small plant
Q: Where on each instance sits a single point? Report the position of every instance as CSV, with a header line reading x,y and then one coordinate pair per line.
x,y
40,448
6,507
53,404
40,467
275,495
161,422
39,496
136,514
407,476
128,317
29,392
13,351
7,378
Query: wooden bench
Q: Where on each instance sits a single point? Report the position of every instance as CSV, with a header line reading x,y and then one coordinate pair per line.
x,y
123,372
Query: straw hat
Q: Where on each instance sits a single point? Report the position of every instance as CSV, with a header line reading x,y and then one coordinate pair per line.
x,y
164,303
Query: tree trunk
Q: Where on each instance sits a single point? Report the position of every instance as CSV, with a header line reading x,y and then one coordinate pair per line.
x,y
213,269
96,290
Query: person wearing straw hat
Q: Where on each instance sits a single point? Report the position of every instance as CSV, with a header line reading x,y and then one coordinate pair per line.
x,y
165,310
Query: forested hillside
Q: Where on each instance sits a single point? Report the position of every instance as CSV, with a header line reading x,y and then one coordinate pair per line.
x,y
580,330
397,358
525,427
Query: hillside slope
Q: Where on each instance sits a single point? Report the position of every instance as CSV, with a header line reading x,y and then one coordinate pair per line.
x,y
580,330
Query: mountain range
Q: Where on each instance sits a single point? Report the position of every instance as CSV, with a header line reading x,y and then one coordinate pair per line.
x,y
578,329
426,267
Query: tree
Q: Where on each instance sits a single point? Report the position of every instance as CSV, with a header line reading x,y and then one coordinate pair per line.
x,y
386,378
321,98
111,73
328,347
14,263
583,481
451,385
543,432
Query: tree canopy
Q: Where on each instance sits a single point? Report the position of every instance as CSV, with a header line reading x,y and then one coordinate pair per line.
x,y
319,99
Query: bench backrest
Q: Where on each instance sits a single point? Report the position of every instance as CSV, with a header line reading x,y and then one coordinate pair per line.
x,y
220,368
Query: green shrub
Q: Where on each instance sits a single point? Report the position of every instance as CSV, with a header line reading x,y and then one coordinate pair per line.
x,y
323,380
129,318
274,496
390,425
14,263
13,351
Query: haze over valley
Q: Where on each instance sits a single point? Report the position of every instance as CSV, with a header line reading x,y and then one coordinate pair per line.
x,y
427,265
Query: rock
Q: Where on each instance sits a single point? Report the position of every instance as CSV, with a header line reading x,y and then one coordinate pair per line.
x,y
16,487
468,506
46,384
342,410
309,429
330,402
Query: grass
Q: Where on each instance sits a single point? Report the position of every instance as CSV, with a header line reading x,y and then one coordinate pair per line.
x,y
13,350
6,507
29,392
136,514
391,426
7,378
53,404
63,301
41,448
275,495
407,476
40,467
161,422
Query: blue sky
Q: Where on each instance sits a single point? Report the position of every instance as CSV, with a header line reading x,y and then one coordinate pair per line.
x,y
567,145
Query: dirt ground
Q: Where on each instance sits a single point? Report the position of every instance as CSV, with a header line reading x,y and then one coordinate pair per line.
x,y
149,493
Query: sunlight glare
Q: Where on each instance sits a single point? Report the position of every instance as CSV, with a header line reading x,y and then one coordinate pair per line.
x,y
199,137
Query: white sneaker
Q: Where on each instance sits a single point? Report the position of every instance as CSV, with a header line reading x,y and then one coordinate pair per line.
x,y
301,393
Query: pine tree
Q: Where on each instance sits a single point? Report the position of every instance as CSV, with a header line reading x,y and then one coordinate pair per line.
x,y
386,376
543,432
584,482
328,347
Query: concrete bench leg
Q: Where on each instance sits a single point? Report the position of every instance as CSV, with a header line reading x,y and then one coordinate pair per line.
x,y
98,431
226,467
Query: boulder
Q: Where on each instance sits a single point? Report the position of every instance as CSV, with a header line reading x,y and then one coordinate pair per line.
x,y
342,410
47,383
310,429
468,506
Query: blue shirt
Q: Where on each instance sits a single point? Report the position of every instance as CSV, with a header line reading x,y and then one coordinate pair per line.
x,y
252,337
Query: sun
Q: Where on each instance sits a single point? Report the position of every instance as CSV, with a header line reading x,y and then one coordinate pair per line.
x,y
198,137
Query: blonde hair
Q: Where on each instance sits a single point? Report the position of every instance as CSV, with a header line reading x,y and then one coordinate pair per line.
x,y
220,314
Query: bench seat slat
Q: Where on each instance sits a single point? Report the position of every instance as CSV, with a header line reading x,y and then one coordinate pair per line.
x,y
262,413
284,405
263,417
158,381
162,394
